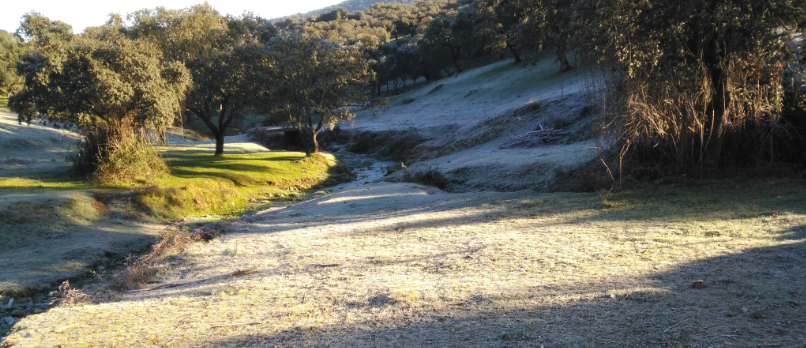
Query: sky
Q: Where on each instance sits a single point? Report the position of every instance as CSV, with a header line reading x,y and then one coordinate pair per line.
x,y
81,14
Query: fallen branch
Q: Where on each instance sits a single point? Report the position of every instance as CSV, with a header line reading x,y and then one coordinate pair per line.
x,y
325,264
536,138
235,324
670,327
173,285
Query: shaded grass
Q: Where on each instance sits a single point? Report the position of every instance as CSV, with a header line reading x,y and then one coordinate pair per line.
x,y
423,268
76,211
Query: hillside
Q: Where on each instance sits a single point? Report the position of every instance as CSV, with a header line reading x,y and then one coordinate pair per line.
x,y
461,126
351,6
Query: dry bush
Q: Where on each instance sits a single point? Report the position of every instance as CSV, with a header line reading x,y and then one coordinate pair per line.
x,y
666,124
429,176
72,296
117,154
141,271
398,145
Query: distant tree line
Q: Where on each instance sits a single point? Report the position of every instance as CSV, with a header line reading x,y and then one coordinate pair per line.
x,y
692,84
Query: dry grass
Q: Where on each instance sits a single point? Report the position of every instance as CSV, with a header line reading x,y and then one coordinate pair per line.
x,y
428,176
418,267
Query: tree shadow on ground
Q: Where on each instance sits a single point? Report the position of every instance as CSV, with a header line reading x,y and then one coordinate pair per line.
x,y
751,299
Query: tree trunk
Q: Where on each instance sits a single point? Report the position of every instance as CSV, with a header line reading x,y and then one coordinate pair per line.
x,y
715,128
515,53
717,108
161,134
455,53
563,59
315,142
219,143
314,133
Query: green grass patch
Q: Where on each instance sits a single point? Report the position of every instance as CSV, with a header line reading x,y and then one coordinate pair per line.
x,y
29,183
201,183
3,102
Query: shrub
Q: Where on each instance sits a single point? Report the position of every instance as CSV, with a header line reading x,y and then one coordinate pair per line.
x,y
118,154
398,145
428,176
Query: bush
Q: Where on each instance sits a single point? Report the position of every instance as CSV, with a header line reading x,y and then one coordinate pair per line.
x,y
398,145
428,176
117,155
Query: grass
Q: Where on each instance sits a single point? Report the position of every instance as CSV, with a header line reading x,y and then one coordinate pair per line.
x,y
48,183
43,208
3,103
418,267
201,183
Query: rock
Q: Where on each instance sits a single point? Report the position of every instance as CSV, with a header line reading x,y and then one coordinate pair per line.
x,y
9,320
758,315
698,284
506,337
730,314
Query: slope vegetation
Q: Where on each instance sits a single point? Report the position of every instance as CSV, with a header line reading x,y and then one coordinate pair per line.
x,y
352,6
475,127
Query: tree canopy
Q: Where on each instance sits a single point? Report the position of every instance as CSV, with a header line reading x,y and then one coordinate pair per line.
x,y
215,49
704,79
315,82
85,81
10,51
699,82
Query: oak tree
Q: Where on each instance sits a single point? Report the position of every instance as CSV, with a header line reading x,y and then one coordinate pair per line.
x,y
315,83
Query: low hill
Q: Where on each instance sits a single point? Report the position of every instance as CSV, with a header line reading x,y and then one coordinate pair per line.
x,y
482,128
351,6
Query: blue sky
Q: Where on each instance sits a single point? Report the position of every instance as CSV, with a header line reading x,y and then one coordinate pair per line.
x,y
81,14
